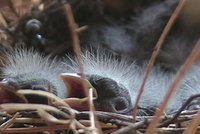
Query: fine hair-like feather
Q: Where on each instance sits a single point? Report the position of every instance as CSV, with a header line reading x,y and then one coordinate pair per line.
x,y
29,65
130,75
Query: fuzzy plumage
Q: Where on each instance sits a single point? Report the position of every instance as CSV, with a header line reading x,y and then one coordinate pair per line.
x,y
130,75
28,65
136,34
106,65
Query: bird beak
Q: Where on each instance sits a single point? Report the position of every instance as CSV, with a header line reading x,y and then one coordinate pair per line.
x,y
78,91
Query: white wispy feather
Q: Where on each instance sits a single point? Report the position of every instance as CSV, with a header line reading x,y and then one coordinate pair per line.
x,y
130,76
29,65
104,64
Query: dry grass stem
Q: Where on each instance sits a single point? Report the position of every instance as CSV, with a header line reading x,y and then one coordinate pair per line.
x,y
64,115
192,127
156,51
179,77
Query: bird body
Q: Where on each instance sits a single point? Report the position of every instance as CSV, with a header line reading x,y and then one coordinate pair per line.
x,y
27,66
132,40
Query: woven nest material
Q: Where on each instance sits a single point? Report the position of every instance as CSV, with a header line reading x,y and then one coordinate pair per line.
x,y
58,117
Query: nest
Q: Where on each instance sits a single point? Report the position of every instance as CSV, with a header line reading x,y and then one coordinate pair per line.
x,y
59,115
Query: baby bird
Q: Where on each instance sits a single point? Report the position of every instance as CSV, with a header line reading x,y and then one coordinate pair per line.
x,y
126,28
136,34
117,82
27,69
